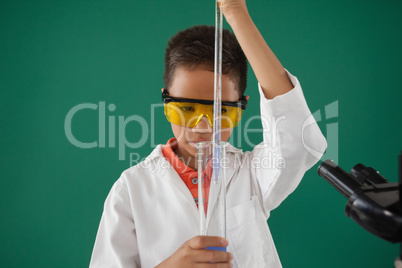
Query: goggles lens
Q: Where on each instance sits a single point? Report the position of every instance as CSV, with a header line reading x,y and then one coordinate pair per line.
x,y
189,112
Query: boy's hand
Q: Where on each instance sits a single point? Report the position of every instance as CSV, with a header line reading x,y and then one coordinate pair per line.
x,y
193,254
231,8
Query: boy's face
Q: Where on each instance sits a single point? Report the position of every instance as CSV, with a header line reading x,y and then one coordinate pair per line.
x,y
198,84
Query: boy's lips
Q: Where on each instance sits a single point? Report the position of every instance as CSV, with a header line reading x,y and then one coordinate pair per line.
x,y
199,140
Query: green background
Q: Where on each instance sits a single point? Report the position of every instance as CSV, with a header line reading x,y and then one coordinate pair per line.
x,y
55,55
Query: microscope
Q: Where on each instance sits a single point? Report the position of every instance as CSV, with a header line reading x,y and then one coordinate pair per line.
x,y
373,202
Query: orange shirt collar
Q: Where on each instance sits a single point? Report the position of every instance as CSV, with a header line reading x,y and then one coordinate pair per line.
x,y
169,154
182,169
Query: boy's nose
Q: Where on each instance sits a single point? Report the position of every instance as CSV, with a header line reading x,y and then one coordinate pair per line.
x,y
203,126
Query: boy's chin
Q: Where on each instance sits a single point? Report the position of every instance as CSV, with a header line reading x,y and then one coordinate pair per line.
x,y
193,144
192,148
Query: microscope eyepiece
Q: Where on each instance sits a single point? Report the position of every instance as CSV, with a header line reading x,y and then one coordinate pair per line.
x,y
338,178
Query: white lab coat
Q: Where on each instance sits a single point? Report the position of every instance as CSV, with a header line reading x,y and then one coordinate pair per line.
x,y
149,212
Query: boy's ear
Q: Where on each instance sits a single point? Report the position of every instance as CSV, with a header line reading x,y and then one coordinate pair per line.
x,y
164,91
247,97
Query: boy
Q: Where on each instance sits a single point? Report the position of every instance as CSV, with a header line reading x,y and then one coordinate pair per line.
x,y
150,217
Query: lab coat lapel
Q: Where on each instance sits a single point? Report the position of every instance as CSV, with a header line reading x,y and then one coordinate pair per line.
x,y
168,173
182,188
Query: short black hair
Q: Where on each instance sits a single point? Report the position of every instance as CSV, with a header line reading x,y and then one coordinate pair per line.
x,y
194,47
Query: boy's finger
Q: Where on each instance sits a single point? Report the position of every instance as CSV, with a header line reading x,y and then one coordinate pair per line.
x,y
212,256
215,265
201,242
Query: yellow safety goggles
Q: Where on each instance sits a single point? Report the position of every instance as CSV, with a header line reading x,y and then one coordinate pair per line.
x,y
189,112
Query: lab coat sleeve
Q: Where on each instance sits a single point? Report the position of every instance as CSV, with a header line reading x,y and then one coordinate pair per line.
x,y
116,240
292,144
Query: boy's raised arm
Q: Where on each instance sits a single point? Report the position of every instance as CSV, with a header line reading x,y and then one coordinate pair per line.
x,y
269,71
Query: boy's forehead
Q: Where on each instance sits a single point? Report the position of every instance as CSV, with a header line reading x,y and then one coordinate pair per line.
x,y
199,84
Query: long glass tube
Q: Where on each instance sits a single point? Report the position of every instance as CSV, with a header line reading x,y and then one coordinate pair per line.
x,y
204,154
211,196
217,90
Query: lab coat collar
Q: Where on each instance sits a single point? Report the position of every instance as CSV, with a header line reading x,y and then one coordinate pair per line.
x,y
157,156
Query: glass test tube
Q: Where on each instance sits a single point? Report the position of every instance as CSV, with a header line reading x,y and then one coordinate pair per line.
x,y
211,193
